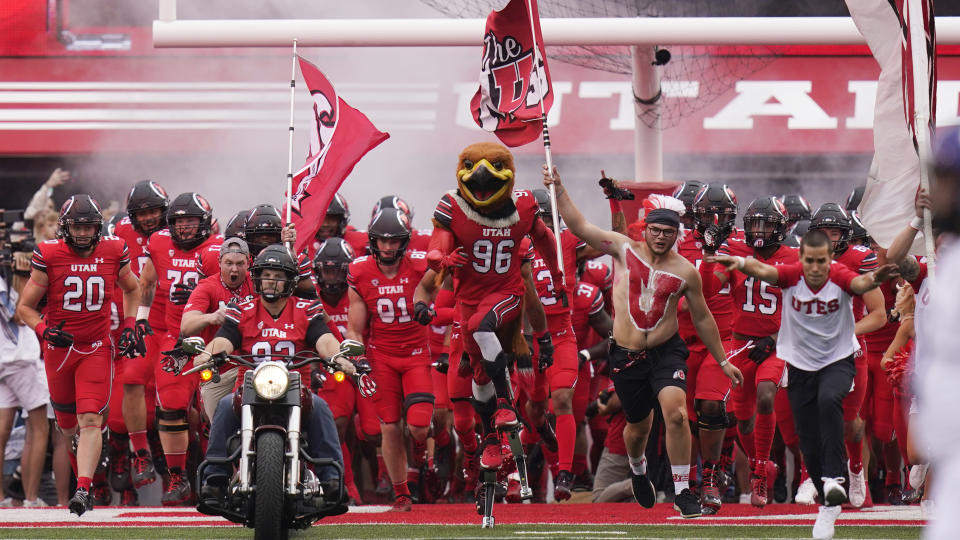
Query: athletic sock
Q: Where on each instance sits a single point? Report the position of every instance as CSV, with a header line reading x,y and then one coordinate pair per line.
x,y
177,460
347,464
855,455
638,465
763,439
83,482
419,453
441,438
566,440
748,443
139,440
401,488
681,477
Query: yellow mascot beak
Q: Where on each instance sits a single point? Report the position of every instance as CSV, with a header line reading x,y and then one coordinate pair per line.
x,y
483,184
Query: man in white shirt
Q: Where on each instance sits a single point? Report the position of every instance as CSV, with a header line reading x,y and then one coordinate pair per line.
x,y
817,341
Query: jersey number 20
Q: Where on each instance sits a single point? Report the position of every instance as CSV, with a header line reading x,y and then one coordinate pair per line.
x,y
82,293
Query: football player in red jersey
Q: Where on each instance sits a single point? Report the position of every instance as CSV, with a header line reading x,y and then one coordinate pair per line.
x,y
78,273
714,215
273,323
381,298
331,266
419,238
647,356
147,205
204,312
477,234
756,323
870,316
599,274
172,270
562,375
336,223
264,227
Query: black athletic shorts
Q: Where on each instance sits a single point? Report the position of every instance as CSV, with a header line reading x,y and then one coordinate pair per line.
x,y
640,375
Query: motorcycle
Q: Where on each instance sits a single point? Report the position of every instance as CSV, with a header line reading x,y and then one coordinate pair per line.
x,y
274,488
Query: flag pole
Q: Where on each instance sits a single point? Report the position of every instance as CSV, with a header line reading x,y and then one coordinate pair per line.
x,y
293,87
921,113
546,141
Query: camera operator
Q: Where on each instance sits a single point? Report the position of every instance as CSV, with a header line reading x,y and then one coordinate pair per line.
x,y
22,380
612,481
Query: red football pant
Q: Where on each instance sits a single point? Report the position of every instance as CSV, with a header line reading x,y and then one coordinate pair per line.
x,y
139,370
174,392
705,378
344,399
744,398
403,382
79,378
854,400
499,308
878,400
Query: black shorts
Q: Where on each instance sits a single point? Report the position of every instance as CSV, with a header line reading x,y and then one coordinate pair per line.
x,y
639,376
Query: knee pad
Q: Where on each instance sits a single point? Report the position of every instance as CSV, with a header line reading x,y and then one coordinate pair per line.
x,y
419,409
179,416
498,366
711,421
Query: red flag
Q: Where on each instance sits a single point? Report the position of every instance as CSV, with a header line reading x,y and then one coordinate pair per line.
x,y
909,103
339,136
514,76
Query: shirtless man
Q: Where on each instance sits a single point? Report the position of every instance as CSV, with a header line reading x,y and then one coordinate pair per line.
x,y
647,357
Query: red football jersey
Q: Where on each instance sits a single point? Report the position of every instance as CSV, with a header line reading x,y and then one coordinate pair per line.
x,y
137,244
208,259
81,289
173,266
600,274
390,303
757,303
338,315
860,259
211,294
558,316
879,340
720,304
420,239
586,302
252,330
492,252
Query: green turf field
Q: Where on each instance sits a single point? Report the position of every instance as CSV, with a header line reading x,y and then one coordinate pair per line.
x,y
528,532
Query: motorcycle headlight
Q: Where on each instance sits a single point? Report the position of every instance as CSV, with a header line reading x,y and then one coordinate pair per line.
x,y
270,380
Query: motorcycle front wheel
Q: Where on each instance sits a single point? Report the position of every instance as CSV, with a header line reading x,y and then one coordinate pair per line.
x,y
269,515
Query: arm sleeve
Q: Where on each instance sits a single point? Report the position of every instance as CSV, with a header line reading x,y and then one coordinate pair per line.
x,y
230,329
318,327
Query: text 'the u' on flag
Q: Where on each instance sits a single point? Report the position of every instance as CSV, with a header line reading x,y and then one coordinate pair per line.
x,y
339,136
514,77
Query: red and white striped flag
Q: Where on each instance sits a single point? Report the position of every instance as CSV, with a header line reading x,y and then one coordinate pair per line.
x,y
339,136
894,175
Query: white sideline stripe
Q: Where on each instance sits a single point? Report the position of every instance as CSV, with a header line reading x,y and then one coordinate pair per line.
x,y
103,85
278,96
61,115
578,533
94,126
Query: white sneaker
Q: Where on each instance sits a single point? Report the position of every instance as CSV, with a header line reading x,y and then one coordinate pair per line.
x,y
745,498
7,502
36,503
823,528
806,493
918,474
858,487
833,492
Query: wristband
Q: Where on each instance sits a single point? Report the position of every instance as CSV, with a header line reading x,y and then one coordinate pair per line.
x,y
143,312
916,223
129,322
615,206
585,353
725,362
40,329
740,262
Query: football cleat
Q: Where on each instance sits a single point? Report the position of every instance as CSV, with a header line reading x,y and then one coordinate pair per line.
x,y
178,490
563,486
402,504
758,491
81,502
142,470
687,504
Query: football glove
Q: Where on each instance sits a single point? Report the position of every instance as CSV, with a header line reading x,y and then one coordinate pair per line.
x,y
423,314
58,337
442,364
762,349
181,292
545,345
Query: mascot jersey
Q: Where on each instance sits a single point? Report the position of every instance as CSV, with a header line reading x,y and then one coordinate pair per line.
x,y
491,245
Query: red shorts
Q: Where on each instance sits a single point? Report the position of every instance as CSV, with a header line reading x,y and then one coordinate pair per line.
x,y
745,397
403,384
854,400
501,309
459,388
705,378
174,392
79,378
139,370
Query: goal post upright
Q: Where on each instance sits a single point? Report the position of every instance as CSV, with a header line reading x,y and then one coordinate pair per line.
x,y
647,139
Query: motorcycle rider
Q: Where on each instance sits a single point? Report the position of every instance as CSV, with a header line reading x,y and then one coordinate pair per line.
x,y
301,324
